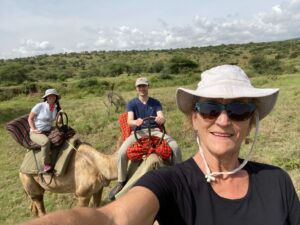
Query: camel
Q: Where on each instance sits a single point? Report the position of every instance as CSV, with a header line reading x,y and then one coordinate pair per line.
x,y
88,173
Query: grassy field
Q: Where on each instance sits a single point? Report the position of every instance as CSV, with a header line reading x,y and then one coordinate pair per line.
x,y
278,142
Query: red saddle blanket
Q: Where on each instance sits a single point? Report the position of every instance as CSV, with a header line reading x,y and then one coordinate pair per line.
x,y
137,151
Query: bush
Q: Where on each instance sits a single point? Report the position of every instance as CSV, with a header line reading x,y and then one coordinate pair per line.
x,y
116,69
87,83
179,64
262,65
156,67
13,74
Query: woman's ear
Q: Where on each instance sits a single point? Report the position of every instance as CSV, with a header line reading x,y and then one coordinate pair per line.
x,y
194,120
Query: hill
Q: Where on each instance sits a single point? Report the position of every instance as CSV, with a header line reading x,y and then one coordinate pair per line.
x,y
91,72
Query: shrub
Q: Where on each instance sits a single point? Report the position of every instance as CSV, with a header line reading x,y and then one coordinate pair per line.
x,y
13,74
178,64
262,65
156,67
86,83
116,69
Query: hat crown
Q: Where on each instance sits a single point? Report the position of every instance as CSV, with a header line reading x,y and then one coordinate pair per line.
x,y
226,74
141,81
51,92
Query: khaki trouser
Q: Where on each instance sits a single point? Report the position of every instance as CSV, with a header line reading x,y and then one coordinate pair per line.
x,y
44,142
123,159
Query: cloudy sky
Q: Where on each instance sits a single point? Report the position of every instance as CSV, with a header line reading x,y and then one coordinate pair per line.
x,y
33,27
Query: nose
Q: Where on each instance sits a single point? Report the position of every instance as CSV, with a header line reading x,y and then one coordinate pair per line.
x,y
223,119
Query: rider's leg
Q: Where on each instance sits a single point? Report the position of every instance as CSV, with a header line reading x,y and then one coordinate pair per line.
x,y
177,157
44,142
123,159
122,166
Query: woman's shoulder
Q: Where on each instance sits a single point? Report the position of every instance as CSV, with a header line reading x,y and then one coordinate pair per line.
x,y
38,105
266,171
179,171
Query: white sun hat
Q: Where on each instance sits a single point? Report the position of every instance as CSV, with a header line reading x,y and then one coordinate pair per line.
x,y
227,82
51,92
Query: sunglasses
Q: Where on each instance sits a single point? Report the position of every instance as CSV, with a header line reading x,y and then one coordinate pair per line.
x,y
237,111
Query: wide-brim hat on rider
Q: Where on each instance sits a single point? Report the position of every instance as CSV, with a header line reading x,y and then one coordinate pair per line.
x,y
51,92
227,82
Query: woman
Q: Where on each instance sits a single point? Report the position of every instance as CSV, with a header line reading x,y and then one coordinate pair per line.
x,y
40,121
214,187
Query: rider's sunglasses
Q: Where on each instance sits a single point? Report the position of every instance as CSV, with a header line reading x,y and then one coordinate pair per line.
x,y
237,111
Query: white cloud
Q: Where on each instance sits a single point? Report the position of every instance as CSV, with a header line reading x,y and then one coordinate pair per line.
x,y
30,47
282,21
81,45
277,9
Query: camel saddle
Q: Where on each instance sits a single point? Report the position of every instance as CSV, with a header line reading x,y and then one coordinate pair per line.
x,y
60,157
137,151
19,129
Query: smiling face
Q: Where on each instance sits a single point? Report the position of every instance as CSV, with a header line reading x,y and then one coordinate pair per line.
x,y
221,136
142,90
51,99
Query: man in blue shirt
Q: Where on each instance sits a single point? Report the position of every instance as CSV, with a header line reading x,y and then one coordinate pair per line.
x,y
138,108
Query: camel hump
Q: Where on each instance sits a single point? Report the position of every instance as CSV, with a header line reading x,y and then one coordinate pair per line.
x,y
152,162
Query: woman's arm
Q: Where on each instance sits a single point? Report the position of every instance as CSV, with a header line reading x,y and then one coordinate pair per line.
x,y
138,207
31,117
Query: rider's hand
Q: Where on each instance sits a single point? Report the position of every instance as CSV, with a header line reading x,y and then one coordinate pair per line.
x,y
139,122
160,120
36,131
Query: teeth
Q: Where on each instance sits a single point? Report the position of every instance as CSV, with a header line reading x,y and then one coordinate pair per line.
x,y
221,134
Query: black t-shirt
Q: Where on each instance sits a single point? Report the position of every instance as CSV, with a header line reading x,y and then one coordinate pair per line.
x,y
186,198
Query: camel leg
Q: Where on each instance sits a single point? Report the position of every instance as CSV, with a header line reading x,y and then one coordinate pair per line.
x,y
35,192
83,201
37,205
97,198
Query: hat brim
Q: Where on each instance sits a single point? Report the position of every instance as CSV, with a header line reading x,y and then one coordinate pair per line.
x,y
143,83
265,98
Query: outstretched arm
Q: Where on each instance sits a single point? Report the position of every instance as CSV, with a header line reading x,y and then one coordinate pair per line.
x,y
138,207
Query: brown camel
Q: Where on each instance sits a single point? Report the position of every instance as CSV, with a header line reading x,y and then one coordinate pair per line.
x,y
88,172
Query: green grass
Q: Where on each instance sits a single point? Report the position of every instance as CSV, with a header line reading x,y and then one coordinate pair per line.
x,y
278,142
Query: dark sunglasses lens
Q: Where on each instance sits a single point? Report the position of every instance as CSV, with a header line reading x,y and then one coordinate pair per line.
x,y
208,110
236,111
240,111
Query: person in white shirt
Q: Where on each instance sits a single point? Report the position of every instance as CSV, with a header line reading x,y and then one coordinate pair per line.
x,y
40,120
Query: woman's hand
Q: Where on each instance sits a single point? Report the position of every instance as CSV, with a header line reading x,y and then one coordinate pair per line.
x,y
36,131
